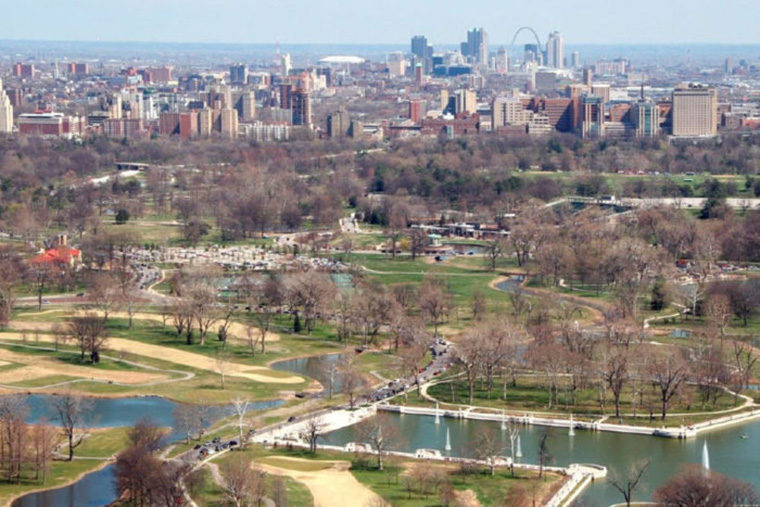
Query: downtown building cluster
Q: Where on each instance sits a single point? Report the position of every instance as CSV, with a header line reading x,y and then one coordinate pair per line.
x,y
535,89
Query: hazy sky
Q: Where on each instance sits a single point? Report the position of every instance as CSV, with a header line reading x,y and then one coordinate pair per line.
x,y
381,21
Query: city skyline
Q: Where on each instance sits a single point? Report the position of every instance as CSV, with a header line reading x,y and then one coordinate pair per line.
x,y
339,22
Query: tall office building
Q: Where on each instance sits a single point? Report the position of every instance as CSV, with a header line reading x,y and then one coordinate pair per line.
x,y
575,60
6,112
419,46
695,110
476,46
555,51
239,74
301,105
286,64
286,94
423,52
502,61
592,125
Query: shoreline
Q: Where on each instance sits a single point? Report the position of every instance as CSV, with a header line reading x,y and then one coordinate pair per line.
x,y
101,466
678,432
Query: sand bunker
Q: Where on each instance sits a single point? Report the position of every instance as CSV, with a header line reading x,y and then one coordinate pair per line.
x,y
332,487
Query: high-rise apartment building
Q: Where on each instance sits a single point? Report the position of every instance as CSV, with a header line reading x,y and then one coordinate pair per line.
x,y
286,94
338,123
6,112
245,105
601,90
555,51
646,118
239,74
77,69
509,111
695,110
301,107
466,101
423,52
416,110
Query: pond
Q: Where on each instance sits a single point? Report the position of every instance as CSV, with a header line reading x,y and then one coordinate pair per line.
x,y
92,490
96,488
316,367
113,412
730,454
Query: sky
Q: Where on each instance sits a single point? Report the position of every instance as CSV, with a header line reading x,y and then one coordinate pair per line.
x,y
381,21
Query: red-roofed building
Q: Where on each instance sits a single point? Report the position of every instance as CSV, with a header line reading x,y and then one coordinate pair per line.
x,y
63,255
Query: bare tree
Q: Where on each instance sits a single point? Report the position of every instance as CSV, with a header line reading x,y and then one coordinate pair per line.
x,y
72,410
628,482
435,301
312,432
89,333
240,405
241,485
379,437
489,448
669,373
222,362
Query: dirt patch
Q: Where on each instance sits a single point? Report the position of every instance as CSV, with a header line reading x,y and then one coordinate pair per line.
x,y
332,487
467,498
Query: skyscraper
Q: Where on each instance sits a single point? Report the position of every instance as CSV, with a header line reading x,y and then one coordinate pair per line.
x,y
286,64
575,61
695,110
502,61
239,74
555,51
419,46
646,117
6,112
423,52
476,46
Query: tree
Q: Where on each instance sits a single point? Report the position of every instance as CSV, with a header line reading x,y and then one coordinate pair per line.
x,y
72,412
544,456
615,374
12,271
435,302
379,437
418,240
104,291
489,448
241,485
696,487
240,405
13,436
495,249
89,333
122,216
627,483
222,362
312,431
668,372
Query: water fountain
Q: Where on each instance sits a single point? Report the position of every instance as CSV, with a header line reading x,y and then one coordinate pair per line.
x,y
437,415
705,457
519,453
503,421
448,442
572,427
